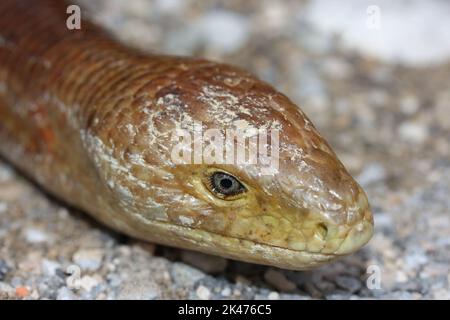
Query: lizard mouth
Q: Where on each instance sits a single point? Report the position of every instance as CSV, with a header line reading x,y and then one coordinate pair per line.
x,y
235,248
357,237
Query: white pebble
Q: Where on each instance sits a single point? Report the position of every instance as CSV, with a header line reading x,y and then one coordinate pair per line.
x,y
274,16
441,294
401,277
226,292
33,235
383,220
138,289
413,132
89,282
6,173
203,293
415,260
273,296
409,104
378,98
371,173
88,259
49,267
65,293
6,289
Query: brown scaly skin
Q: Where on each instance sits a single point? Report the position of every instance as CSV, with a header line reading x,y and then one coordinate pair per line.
x,y
91,120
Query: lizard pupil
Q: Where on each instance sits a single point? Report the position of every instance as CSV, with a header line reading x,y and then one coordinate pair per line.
x,y
226,184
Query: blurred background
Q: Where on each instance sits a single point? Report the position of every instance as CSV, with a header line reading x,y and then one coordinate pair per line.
x,y
373,76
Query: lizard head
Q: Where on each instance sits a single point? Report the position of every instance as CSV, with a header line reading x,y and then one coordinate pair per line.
x,y
247,176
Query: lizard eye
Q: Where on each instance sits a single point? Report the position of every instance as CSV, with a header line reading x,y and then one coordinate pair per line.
x,y
225,185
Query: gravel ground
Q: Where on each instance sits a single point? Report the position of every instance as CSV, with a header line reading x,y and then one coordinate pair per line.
x,y
388,121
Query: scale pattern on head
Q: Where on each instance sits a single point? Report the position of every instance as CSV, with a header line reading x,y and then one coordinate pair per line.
x,y
310,204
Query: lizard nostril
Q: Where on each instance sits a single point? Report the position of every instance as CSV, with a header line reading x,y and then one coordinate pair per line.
x,y
321,230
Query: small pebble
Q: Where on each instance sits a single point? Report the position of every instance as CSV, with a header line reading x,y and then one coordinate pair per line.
x,y
325,286
4,269
22,292
65,293
273,296
409,104
373,172
185,275
138,290
6,173
441,294
401,277
205,262
240,279
88,259
348,283
6,291
12,191
226,292
279,281
413,132
114,280
89,282
203,293
49,267
33,235
383,220
415,260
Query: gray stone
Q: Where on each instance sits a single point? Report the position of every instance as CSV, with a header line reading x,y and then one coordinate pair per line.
x,y
185,275
348,283
88,259
205,262
65,293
